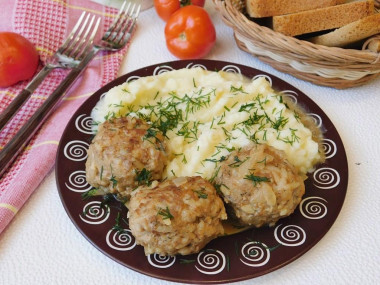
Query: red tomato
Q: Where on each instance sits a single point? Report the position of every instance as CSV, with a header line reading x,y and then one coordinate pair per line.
x,y
190,33
18,59
165,8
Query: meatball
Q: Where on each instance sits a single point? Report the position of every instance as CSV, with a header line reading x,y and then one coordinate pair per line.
x,y
259,185
177,216
124,154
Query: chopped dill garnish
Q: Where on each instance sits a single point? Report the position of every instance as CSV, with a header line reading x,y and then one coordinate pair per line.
x,y
120,105
222,158
247,107
215,174
265,135
263,161
237,162
88,194
165,213
107,199
201,193
143,177
236,90
117,227
101,173
256,179
113,180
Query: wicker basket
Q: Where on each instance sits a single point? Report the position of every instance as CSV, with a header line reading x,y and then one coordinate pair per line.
x,y
328,66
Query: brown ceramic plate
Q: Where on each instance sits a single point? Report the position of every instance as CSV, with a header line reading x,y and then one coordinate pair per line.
x,y
230,258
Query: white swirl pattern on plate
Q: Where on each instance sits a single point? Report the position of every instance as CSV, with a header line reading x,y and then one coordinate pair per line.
x,y
290,235
316,118
326,178
231,68
93,213
192,65
132,78
267,77
292,95
102,96
162,69
211,262
122,241
313,208
255,254
160,261
77,182
76,150
329,147
83,123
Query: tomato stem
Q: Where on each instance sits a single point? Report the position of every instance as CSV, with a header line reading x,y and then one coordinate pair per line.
x,y
184,3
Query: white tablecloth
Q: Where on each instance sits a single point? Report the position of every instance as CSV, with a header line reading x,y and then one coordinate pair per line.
x,y
42,246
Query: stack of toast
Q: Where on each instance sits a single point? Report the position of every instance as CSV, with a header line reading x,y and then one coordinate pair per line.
x,y
337,23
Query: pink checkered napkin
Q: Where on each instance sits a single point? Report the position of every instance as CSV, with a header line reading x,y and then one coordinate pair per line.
x,y
46,23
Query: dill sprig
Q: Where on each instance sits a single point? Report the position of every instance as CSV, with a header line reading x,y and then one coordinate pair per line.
x,y
143,177
256,179
165,213
117,227
201,193
88,194
237,162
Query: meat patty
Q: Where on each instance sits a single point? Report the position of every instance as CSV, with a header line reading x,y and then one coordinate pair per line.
x,y
177,216
259,185
124,154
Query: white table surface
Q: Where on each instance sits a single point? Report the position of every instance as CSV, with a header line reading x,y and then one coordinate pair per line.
x,y
42,246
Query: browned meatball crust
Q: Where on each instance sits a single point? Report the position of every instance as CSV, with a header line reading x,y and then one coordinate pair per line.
x,y
259,185
177,216
123,155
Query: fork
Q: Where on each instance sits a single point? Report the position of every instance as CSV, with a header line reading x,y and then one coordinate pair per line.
x,y
115,38
72,51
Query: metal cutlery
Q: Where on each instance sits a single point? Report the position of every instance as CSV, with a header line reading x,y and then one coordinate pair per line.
x,y
73,50
115,38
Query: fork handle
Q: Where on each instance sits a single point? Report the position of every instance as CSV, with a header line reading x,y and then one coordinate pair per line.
x,y
19,141
21,98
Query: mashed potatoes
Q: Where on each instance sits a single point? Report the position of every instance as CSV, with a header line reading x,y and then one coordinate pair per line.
x,y
205,115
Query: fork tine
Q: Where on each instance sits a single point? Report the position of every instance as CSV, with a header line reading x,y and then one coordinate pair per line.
x,y
81,43
77,37
90,41
72,33
113,31
117,19
129,26
118,31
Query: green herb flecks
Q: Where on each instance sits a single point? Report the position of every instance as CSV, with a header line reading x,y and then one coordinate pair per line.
x,y
237,161
201,193
118,227
90,193
143,177
236,90
165,213
256,179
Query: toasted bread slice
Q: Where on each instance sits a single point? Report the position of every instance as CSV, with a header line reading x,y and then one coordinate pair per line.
x,y
323,18
350,33
268,8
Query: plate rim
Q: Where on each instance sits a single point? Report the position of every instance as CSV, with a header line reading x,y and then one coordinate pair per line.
x,y
122,78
